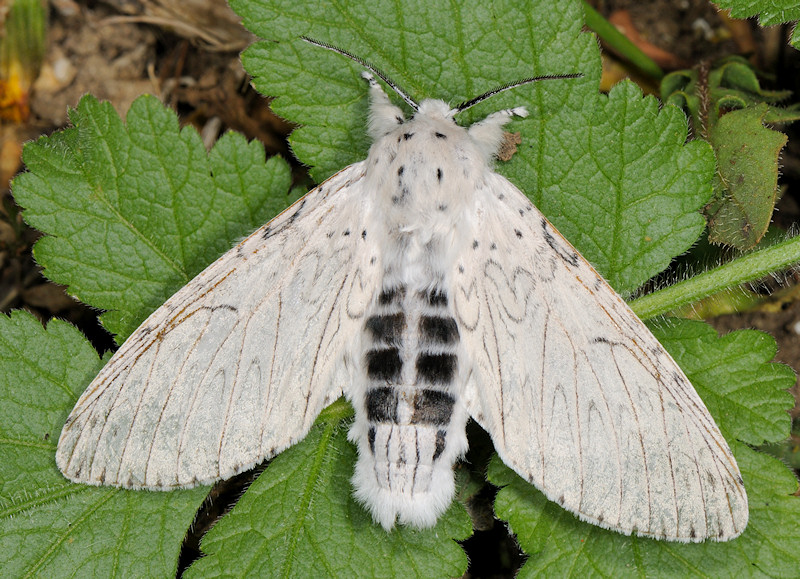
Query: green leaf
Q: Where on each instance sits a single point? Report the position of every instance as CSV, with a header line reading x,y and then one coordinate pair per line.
x,y
627,189
769,12
728,109
746,396
746,186
299,519
50,527
134,212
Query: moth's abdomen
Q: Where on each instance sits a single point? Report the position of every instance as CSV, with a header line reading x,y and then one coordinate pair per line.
x,y
410,422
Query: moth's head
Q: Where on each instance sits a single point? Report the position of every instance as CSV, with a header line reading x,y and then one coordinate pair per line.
x,y
436,109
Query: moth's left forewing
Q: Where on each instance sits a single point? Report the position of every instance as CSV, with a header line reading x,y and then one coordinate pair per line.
x,y
578,396
237,364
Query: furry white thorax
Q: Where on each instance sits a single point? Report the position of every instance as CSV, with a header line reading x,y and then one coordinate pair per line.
x,y
424,173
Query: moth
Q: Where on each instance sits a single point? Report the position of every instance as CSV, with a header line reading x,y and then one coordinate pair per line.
x,y
427,289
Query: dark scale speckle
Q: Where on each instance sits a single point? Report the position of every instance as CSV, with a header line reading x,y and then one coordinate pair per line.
x,y
438,329
346,232
437,298
493,246
364,234
439,135
407,136
436,368
570,257
329,234
440,439
400,120
475,244
522,213
401,170
439,174
390,295
442,207
381,405
387,329
384,365
501,196
518,233
432,407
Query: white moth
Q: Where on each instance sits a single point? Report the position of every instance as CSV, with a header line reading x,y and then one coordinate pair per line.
x,y
427,289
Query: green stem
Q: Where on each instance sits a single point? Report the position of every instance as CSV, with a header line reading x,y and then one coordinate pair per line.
x,y
747,268
619,43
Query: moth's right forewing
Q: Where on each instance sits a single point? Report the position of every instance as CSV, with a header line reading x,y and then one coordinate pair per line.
x,y
237,364
578,396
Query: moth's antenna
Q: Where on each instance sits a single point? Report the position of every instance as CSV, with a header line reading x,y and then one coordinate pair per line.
x,y
367,65
471,102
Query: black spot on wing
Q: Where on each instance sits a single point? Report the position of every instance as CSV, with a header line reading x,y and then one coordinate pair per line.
x,y
381,405
439,135
432,407
269,231
439,174
569,256
407,136
436,368
438,329
518,233
384,365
